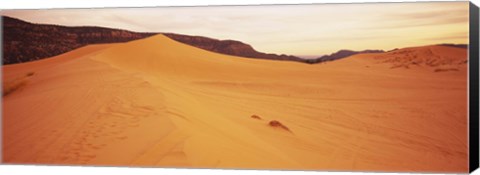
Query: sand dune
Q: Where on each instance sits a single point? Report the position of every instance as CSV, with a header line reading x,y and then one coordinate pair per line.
x,y
436,57
157,102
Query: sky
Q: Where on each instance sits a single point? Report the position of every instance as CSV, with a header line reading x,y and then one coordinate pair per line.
x,y
301,30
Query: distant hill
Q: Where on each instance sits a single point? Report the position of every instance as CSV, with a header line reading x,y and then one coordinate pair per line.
x,y
24,41
463,46
229,47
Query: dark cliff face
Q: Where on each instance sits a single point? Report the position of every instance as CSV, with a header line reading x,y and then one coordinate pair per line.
x,y
23,41
229,47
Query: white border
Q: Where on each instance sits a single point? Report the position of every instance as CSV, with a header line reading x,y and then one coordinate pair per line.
x,y
52,170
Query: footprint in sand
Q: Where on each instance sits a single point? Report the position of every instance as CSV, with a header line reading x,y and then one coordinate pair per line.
x,y
107,127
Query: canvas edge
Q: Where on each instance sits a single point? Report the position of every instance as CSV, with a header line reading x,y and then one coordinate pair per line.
x,y
473,55
473,88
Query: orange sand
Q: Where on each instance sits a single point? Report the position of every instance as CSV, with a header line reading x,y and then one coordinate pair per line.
x,y
157,102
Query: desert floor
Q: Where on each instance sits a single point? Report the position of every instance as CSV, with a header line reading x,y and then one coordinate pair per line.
x,y
155,102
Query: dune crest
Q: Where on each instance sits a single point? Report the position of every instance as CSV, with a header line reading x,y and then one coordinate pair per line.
x,y
434,57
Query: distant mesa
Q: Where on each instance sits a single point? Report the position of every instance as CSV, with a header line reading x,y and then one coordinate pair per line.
x,y
229,47
463,46
24,41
